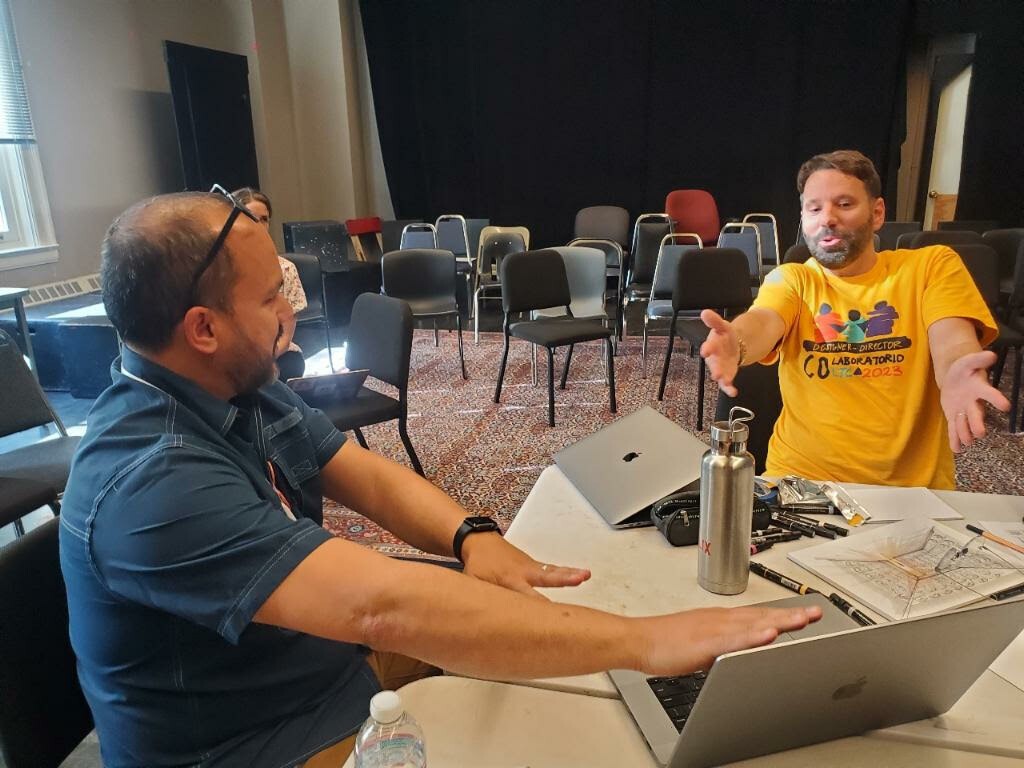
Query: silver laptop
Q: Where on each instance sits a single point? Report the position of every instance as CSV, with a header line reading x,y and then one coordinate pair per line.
x,y
830,680
623,468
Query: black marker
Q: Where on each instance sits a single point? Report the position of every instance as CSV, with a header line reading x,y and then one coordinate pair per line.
x,y
816,523
1008,592
792,525
776,538
783,581
849,610
756,547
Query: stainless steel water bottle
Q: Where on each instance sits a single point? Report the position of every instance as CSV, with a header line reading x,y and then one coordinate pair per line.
x,y
726,507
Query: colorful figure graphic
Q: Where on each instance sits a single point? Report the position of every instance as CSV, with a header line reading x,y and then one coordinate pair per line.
x,y
854,329
829,324
881,319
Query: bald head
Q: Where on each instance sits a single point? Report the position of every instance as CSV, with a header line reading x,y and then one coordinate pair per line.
x,y
151,253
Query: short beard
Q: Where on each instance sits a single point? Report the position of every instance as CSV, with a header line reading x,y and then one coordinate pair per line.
x,y
251,367
855,243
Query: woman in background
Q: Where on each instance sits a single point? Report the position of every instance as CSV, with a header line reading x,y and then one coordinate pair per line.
x,y
290,362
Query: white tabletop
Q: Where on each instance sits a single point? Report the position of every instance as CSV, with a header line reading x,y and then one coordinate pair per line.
x,y
490,725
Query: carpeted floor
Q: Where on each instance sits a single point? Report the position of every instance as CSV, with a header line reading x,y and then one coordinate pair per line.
x,y
488,456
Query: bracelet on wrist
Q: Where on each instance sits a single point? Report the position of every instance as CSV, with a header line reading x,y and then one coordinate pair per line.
x,y
742,353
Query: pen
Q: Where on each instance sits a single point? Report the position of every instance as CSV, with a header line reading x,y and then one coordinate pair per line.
x,y
1008,592
761,547
784,581
766,531
825,509
997,539
816,523
849,610
775,538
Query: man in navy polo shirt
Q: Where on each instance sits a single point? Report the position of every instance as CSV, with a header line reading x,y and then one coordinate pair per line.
x,y
214,620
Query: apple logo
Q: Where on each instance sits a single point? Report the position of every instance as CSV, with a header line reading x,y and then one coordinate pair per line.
x,y
850,690
630,456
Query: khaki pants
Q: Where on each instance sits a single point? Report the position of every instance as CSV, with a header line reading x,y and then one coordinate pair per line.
x,y
393,670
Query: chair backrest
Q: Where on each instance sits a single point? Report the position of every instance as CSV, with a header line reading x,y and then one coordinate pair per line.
x,y
311,277
534,280
694,210
943,237
665,273
602,222
983,263
890,231
797,254
496,247
757,389
380,338
712,278
747,238
979,225
585,272
768,228
418,273
420,235
22,403
613,253
489,230
452,235
647,237
1009,244
43,714
391,232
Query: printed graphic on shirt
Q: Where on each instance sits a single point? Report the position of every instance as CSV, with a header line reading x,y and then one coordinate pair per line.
x,y
855,343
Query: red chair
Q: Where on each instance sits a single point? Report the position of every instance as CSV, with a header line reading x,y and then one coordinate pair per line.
x,y
366,238
694,210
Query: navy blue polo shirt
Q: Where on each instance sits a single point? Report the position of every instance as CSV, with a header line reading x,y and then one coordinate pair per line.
x,y
171,538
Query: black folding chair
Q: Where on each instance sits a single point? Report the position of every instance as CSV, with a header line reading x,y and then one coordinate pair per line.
x,y
380,340
426,279
24,406
715,278
757,388
312,279
537,280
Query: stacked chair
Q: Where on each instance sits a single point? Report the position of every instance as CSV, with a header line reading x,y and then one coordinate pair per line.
x,y
648,232
493,248
746,237
659,305
768,235
694,210
609,225
453,235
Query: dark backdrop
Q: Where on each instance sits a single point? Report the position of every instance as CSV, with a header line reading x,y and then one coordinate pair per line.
x,y
526,111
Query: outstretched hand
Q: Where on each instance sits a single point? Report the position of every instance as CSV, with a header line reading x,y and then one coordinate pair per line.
x,y
489,557
721,350
685,642
964,389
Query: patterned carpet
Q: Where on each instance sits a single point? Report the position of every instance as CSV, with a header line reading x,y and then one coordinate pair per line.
x,y
488,456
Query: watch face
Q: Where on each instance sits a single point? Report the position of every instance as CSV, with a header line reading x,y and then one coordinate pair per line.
x,y
481,523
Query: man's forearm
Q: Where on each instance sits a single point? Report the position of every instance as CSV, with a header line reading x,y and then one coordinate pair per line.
x,y
759,330
394,497
949,339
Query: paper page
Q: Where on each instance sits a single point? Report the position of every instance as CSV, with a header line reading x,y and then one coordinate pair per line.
x,y
1012,532
892,568
887,504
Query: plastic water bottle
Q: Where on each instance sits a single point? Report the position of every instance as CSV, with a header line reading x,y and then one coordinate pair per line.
x,y
391,738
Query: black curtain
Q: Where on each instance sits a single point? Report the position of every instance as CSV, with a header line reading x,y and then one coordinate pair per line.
x,y
524,112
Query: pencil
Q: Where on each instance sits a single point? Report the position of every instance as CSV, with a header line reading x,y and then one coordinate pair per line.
x,y
997,539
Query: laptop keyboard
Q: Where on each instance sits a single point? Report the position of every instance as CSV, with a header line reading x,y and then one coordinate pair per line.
x,y
677,695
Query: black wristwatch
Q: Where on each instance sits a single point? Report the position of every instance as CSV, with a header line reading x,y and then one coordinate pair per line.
x,y
470,525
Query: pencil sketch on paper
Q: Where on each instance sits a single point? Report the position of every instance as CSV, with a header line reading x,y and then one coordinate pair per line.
x,y
912,568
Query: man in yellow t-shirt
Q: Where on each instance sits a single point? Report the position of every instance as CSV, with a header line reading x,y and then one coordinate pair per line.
x,y
880,353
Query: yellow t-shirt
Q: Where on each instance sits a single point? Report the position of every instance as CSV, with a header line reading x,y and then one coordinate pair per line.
x,y
859,399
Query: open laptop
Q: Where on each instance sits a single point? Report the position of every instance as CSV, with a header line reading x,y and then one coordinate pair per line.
x,y
623,468
829,680
332,387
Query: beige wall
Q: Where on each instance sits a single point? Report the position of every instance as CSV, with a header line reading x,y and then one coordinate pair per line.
x,y
97,85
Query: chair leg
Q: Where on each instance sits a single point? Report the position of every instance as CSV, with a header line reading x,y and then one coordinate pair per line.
x,y
436,339
700,394
501,371
1015,394
361,438
611,373
533,363
622,319
462,357
327,339
668,358
404,434
551,387
476,316
565,371
997,369
643,352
